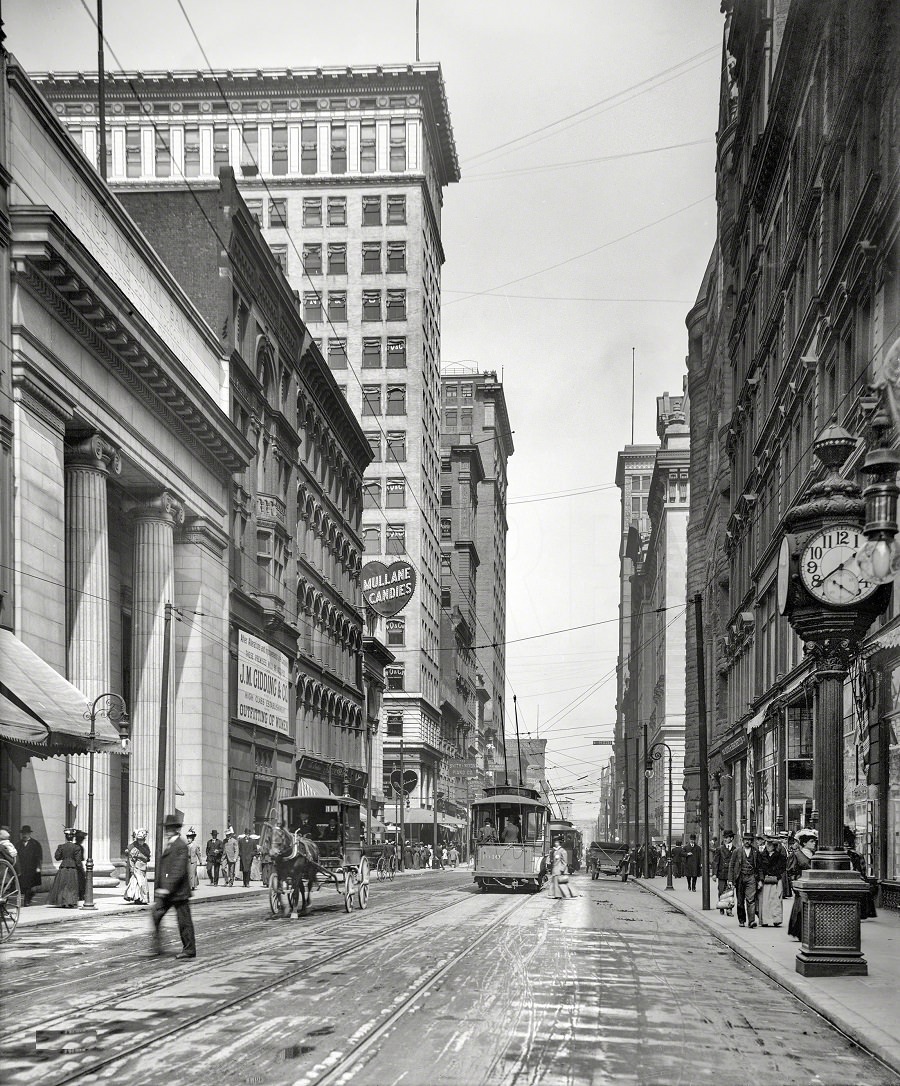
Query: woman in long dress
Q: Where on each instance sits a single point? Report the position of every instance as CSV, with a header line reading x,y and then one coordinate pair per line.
x,y
137,892
64,891
798,862
772,864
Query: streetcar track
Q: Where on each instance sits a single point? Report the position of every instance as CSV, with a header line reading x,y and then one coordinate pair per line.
x,y
188,1021
311,925
341,1072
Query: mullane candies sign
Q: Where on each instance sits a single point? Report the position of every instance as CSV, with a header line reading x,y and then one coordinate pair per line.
x,y
388,589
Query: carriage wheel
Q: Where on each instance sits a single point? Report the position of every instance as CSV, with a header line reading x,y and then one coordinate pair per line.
x,y
362,893
9,901
276,896
349,889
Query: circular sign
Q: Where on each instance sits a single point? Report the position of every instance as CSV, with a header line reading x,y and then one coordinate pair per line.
x,y
388,589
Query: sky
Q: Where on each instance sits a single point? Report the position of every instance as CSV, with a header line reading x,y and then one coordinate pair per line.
x,y
575,242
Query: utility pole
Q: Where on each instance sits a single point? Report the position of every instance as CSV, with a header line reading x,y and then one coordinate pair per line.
x,y
163,738
646,814
702,753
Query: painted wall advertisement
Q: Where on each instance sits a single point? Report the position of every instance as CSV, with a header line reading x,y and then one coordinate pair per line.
x,y
262,684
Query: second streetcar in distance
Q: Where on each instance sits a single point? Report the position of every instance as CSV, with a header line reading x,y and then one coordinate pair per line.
x,y
571,839
510,838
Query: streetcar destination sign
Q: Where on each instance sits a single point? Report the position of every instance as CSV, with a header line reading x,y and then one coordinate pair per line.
x,y
388,589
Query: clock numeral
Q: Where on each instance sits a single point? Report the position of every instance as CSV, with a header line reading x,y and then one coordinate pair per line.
x,y
816,552
815,581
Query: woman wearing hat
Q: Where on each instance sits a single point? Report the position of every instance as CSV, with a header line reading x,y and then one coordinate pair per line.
x,y
799,861
64,891
138,892
195,857
772,864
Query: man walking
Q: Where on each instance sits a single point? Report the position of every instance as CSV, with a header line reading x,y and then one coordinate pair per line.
x,y
173,889
744,871
213,857
231,856
692,857
246,852
31,856
722,862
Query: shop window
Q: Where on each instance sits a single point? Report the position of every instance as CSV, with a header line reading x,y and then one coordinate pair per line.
x,y
396,677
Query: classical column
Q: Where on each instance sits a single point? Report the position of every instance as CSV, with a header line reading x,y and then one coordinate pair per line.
x,y
154,564
88,464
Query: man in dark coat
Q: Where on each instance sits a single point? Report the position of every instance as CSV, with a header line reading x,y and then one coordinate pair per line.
x,y
246,852
173,889
214,851
31,856
678,859
722,861
692,858
745,873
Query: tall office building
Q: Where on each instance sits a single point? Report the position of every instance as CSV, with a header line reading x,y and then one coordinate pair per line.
x,y
344,170
474,415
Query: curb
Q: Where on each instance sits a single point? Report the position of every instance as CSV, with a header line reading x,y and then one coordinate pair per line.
x,y
868,1037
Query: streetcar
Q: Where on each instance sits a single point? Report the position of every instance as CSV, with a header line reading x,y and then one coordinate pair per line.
x,y
570,838
510,838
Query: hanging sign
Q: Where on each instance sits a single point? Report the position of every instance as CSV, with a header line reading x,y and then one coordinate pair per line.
x,y
262,684
410,780
388,589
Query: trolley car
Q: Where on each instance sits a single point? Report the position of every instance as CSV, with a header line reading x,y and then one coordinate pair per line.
x,y
571,839
316,843
510,842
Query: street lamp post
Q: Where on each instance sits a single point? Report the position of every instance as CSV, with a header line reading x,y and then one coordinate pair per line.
x,y
835,572
114,703
653,755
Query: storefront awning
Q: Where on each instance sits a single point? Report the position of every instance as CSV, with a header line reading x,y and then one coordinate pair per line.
x,y
308,787
31,689
757,719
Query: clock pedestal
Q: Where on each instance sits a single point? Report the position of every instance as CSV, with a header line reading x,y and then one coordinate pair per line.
x,y
831,891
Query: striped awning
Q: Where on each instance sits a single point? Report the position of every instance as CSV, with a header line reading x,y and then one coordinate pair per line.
x,y
308,787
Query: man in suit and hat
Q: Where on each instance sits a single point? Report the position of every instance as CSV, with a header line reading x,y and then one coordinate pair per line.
x,y
744,872
721,861
214,851
173,889
31,856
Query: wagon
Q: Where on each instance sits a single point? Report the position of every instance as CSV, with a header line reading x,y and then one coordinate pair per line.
x,y
9,899
316,842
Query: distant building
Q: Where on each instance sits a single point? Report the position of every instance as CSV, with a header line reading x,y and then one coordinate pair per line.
x,y
653,705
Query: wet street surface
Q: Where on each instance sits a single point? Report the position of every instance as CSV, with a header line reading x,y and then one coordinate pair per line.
x,y
434,984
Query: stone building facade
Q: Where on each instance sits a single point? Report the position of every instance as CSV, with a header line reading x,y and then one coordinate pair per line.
x,y
344,169
798,315
123,455
295,548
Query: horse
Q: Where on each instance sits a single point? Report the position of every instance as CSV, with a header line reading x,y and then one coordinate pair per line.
x,y
296,861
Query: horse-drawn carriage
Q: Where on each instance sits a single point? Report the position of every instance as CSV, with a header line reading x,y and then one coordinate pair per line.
x,y
316,842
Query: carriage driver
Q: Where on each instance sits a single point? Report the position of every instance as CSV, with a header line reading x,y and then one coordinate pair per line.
x,y
309,829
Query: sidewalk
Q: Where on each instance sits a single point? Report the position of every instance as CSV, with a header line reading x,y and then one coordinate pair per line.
x,y
109,900
864,1008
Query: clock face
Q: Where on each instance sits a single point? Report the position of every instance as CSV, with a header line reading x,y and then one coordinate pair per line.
x,y
828,567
